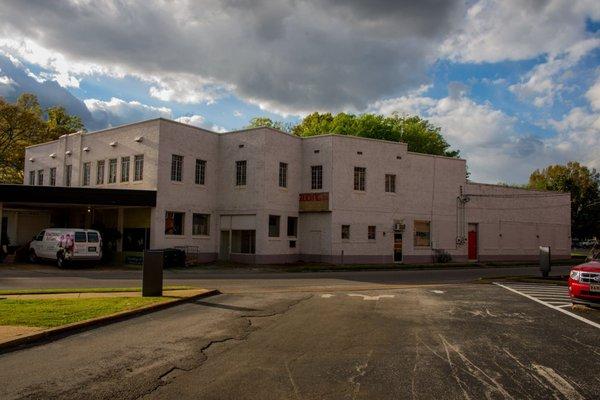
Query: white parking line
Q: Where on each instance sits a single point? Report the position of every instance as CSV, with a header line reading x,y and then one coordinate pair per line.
x,y
554,307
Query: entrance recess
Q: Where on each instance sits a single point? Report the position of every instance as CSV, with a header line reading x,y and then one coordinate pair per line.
x,y
397,247
472,242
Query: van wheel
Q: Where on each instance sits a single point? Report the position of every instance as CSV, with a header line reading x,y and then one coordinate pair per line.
x,y
32,257
60,260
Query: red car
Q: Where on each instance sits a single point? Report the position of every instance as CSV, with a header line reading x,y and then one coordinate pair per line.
x,y
584,283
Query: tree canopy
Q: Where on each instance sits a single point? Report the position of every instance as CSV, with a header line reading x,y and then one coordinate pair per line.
x,y
584,185
419,134
23,124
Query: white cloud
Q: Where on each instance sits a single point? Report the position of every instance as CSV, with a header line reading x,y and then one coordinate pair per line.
x,y
238,114
200,122
593,95
118,112
7,85
497,30
545,81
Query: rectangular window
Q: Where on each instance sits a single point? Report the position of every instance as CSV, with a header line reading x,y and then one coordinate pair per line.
x,y
87,167
283,174
243,241
422,233
316,177
360,178
138,165
292,226
274,225
345,231
174,223
112,170
100,172
390,183
68,172
125,161
52,176
32,178
372,235
201,224
176,168
240,173
92,237
80,237
200,172
40,177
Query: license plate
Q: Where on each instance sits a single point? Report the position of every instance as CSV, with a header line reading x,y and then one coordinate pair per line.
x,y
595,287
91,249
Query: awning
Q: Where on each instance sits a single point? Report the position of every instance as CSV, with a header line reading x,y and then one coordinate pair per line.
x,y
60,195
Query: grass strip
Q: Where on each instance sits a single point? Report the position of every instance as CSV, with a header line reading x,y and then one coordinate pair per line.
x,y
85,290
56,312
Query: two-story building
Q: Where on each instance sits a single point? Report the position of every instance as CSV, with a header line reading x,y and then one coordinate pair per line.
x,y
265,196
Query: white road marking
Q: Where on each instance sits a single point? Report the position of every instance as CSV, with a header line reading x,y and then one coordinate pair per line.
x,y
557,308
327,295
365,297
437,291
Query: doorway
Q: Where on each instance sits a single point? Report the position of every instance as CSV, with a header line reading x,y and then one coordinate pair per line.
x,y
472,242
224,249
397,247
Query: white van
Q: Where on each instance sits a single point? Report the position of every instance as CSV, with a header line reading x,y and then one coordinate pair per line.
x,y
66,244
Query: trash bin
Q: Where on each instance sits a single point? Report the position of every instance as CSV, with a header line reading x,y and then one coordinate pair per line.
x,y
152,273
174,258
545,265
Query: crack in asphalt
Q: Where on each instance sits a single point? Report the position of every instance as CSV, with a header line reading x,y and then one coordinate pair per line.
x,y
162,379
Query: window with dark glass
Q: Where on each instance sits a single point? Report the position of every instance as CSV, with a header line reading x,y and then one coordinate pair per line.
x,y
240,173
52,176
283,174
32,178
372,235
274,225
292,226
125,164
174,223
390,183
360,178
345,231
68,172
80,237
112,170
40,177
138,167
422,230
316,177
200,172
176,168
86,174
201,224
100,172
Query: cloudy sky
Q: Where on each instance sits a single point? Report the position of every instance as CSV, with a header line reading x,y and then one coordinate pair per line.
x,y
514,84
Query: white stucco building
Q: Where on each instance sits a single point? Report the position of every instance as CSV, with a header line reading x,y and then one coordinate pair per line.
x,y
264,196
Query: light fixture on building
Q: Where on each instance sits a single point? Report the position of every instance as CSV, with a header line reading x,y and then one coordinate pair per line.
x,y
53,155
31,159
86,149
68,152
89,210
139,139
113,144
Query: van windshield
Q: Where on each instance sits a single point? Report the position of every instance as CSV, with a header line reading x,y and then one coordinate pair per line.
x,y
80,237
92,237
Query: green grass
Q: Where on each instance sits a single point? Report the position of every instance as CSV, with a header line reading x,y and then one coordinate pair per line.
x,y
57,312
84,290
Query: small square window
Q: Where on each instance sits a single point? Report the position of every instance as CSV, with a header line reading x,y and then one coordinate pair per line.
x,y
372,235
345,231
201,224
174,223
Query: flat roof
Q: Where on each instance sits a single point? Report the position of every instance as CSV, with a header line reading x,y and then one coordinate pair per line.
x,y
76,196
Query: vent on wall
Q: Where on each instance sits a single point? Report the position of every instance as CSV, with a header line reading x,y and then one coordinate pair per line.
x,y
317,151
359,153
241,146
31,159
86,149
398,157
53,155
113,144
68,152
139,139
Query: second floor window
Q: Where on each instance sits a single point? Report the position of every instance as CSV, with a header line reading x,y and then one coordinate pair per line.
x,y
138,165
52,176
360,178
40,177
68,172
316,177
176,168
390,183
200,172
100,172
32,178
125,161
283,174
240,173
112,170
86,174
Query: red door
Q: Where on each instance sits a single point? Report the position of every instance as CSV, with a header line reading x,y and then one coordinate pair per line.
x,y
472,245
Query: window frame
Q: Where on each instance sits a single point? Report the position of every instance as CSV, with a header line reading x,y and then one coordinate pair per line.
x,y
174,214
345,232
112,170
241,173
100,166
283,170
40,177
138,173
316,177
277,226
176,168
52,180
428,234
68,174
200,172
360,179
207,222
390,183
125,168
372,232
86,174
32,178
293,234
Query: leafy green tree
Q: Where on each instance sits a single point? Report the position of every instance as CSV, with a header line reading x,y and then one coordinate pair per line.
x,y
259,122
584,185
22,124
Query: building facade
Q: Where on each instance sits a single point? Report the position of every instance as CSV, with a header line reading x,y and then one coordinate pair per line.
x,y
265,196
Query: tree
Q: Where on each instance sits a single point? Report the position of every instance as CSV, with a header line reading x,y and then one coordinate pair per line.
x,y
419,134
22,124
260,122
584,185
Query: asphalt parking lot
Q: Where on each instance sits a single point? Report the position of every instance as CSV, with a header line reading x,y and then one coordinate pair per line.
x,y
432,341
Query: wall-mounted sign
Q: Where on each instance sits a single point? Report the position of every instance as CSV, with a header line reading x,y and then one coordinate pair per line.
x,y
314,202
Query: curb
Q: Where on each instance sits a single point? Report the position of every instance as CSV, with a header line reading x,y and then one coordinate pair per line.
x,y
59,332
